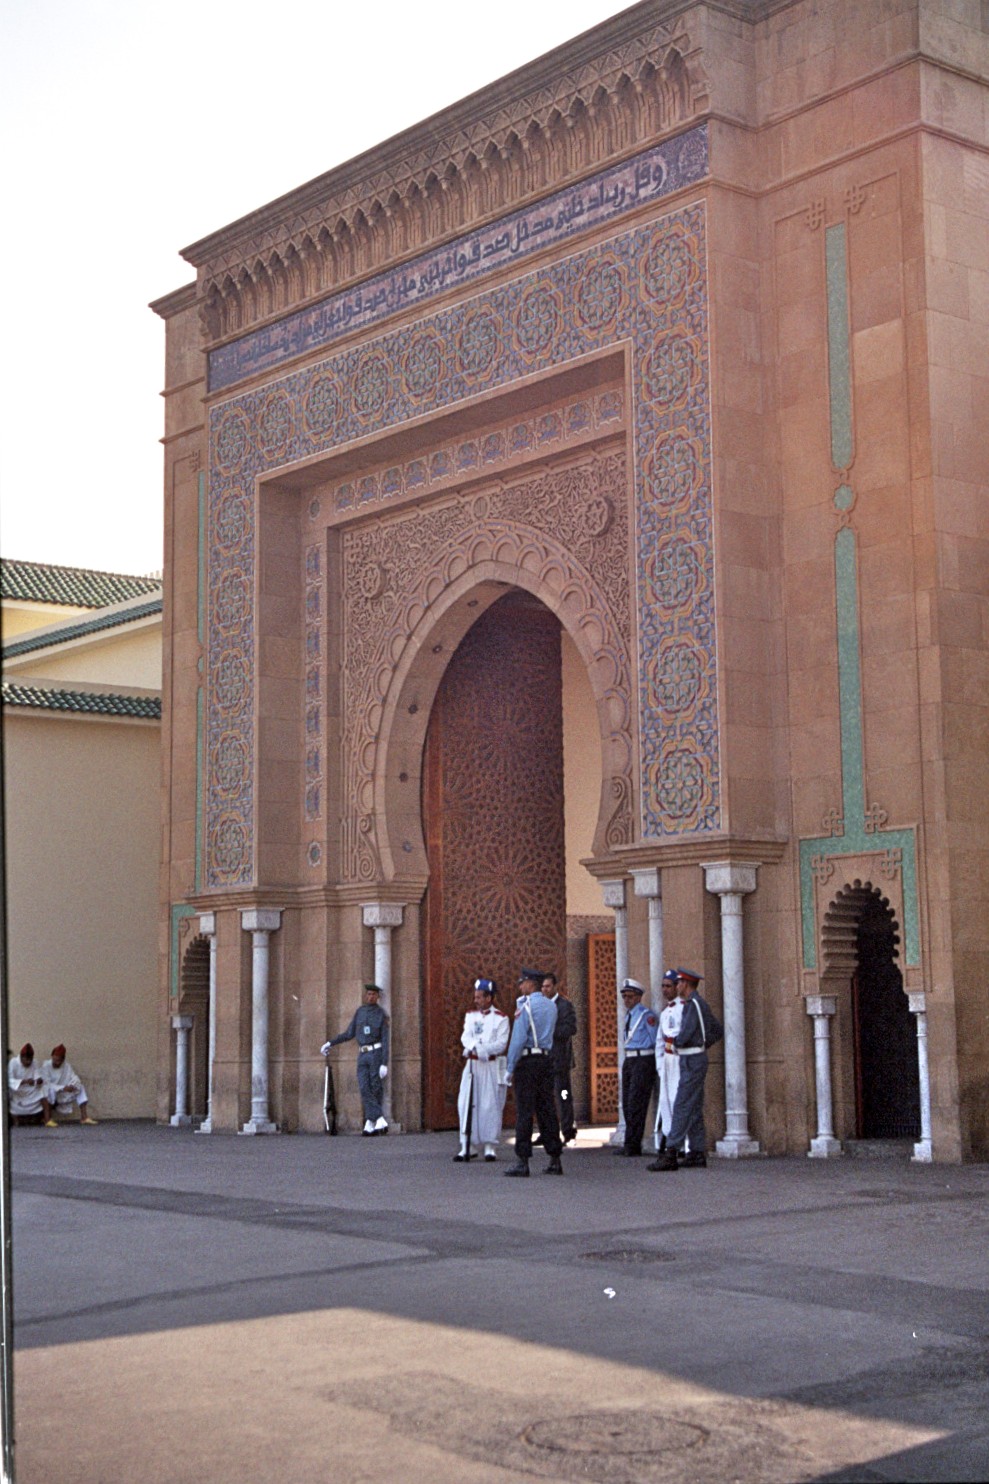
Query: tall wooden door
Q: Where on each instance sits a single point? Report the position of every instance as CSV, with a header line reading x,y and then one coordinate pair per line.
x,y
493,819
602,1015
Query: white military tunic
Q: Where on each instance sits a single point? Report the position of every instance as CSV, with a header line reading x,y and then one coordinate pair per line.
x,y
63,1086
26,1086
667,1065
486,1034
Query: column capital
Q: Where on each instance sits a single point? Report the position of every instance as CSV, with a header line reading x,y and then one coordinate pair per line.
x,y
821,1004
382,914
207,924
182,1022
725,879
917,1003
648,882
614,893
261,920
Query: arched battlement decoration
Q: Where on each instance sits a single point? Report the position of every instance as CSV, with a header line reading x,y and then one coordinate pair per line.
x,y
839,930
640,90
433,572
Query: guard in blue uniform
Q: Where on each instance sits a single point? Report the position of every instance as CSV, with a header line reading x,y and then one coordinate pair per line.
x,y
530,1070
639,1067
699,1028
562,1058
370,1028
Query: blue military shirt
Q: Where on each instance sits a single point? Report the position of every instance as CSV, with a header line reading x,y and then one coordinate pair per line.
x,y
643,1026
544,1019
370,1024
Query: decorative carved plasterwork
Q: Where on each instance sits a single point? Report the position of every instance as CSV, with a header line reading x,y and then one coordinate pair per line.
x,y
346,226
644,290
549,527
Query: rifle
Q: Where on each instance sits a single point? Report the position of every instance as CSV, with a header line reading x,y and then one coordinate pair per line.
x,y
470,1110
329,1101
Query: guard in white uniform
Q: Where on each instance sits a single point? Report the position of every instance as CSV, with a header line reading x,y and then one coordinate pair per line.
x,y
26,1087
63,1086
482,1094
667,1060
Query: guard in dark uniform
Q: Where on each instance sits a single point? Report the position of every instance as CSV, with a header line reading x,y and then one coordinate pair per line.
x,y
530,1069
639,1066
562,1057
370,1028
699,1028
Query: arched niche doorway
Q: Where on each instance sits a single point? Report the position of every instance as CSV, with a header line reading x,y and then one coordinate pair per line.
x,y
194,1001
861,944
493,821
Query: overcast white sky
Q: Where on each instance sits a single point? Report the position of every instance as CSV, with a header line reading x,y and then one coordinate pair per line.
x,y
133,129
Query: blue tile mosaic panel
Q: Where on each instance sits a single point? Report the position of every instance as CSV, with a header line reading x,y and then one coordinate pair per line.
x,y
647,288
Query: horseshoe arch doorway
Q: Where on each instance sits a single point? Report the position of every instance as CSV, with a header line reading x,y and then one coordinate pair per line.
x,y
493,822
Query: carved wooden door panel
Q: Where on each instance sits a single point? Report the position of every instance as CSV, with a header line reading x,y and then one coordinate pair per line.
x,y
493,818
602,1007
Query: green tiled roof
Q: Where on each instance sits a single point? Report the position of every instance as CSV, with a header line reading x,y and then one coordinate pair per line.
x,y
89,703
70,587
80,628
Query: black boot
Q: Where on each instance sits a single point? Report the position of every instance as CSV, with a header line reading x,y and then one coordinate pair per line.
x,y
666,1161
694,1161
520,1168
554,1167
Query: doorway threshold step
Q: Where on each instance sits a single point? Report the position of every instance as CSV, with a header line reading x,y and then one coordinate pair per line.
x,y
880,1148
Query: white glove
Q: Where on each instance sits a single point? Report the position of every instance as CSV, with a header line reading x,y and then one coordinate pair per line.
x,y
382,1072
508,1079
324,1049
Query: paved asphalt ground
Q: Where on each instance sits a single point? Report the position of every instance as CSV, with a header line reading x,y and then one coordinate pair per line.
x,y
222,1309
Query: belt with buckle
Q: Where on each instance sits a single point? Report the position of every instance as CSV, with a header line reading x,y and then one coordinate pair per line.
x,y
535,1051
371,1046
648,1052
690,1050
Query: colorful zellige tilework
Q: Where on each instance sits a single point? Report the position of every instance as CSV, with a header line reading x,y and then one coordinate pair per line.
x,y
647,287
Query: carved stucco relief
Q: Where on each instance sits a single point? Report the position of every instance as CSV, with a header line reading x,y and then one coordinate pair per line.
x,y
566,529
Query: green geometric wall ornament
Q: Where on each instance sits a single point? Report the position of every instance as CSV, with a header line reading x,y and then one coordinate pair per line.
x,y
179,913
858,829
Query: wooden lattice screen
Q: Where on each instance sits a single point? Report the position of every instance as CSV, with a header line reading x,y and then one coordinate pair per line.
x,y
603,1018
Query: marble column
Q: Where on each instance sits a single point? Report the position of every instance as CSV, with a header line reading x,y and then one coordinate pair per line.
x,y
822,1007
384,917
731,883
923,1151
260,924
182,1025
649,885
614,898
207,929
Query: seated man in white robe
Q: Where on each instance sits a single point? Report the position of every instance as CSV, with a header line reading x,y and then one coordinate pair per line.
x,y
481,1103
26,1091
64,1088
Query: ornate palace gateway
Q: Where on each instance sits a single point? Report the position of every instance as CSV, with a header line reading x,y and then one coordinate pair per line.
x,y
573,548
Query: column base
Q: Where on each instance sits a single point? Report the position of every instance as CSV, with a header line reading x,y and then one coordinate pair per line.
x,y
259,1126
737,1146
923,1154
206,1127
824,1147
180,1120
618,1137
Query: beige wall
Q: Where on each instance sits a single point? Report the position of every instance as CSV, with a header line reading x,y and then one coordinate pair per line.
x,y
127,656
17,617
82,883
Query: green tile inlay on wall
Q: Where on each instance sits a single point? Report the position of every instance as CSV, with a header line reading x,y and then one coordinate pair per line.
x,y
855,833
179,913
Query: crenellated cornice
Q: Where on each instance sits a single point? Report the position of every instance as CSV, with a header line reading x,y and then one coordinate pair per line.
x,y
606,94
